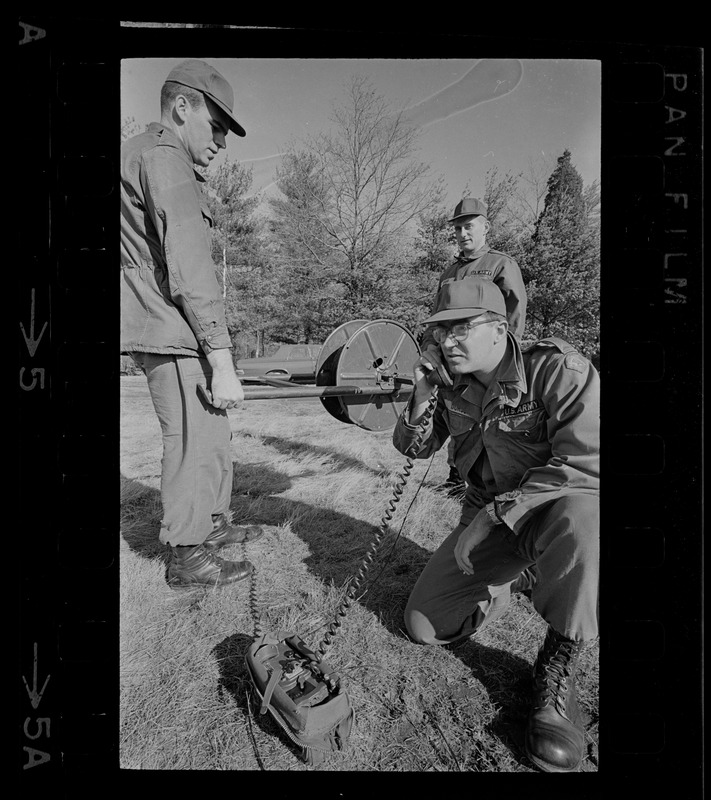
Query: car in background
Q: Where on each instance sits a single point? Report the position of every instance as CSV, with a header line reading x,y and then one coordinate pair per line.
x,y
291,362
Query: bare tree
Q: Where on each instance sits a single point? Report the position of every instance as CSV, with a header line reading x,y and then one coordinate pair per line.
x,y
500,193
351,192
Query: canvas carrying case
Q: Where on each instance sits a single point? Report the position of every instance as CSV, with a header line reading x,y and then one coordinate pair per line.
x,y
302,693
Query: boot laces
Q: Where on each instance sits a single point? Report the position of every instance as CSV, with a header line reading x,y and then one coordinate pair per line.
x,y
554,672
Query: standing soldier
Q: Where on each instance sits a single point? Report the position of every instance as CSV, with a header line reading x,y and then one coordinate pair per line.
x,y
173,319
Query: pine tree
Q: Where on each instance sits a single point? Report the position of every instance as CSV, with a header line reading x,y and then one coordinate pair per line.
x,y
243,272
561,266
564,212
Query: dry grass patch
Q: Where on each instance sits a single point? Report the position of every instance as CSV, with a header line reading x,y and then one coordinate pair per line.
x,y
320,488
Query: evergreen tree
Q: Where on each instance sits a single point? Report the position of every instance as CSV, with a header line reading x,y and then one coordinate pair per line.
x,y
249,289
232,215
305,252
564,213
561,265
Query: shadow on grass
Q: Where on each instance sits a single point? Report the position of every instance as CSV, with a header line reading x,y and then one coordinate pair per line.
x,y
141,508
507,680
140,519
290,447
334,559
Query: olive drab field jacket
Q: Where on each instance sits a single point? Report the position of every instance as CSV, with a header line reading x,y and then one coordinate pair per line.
x,y
171,301
530,438
498,267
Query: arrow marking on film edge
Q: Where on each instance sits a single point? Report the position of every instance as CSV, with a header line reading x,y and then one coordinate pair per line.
x,y
31,33
30,341
35,696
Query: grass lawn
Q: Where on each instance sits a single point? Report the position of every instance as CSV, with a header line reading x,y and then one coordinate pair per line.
x,y
320,487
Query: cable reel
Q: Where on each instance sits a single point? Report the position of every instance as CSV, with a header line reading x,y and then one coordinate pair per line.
x,y
374,355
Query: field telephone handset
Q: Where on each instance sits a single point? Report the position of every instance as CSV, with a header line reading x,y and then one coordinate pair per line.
x,y
439,376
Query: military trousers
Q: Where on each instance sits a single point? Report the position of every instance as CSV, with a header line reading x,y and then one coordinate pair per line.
x,y
561,542
196,468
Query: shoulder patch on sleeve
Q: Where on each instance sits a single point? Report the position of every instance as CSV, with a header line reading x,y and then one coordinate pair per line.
x,y
576,362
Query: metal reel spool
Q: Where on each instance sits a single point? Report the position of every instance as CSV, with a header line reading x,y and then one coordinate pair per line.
x,y
325,365
374,356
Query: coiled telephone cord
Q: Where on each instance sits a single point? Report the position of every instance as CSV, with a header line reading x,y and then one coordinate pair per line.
x,y
398,489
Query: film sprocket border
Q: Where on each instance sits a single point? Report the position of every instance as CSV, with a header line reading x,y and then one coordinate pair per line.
x,y
651,375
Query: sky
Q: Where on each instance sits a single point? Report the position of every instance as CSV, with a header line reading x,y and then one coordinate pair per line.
x,y
472,114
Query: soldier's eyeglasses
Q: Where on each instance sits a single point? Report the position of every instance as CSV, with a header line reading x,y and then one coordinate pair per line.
x,y
458,332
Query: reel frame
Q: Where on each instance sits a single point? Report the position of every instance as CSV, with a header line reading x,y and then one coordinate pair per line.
x,y
363,374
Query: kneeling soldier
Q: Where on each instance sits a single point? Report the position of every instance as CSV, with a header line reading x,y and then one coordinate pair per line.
x,y
525,432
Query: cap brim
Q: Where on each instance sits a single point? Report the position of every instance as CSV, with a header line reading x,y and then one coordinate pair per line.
x,y
455,313
459,216
235,127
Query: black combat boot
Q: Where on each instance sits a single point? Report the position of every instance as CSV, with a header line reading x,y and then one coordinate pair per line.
x,y
198,566
555,740
224,533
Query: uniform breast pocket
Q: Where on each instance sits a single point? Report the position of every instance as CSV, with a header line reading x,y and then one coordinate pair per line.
x,y
525,428
459,423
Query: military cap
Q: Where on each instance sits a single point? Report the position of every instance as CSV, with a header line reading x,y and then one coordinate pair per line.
x,y
469,207
468,297
206,79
